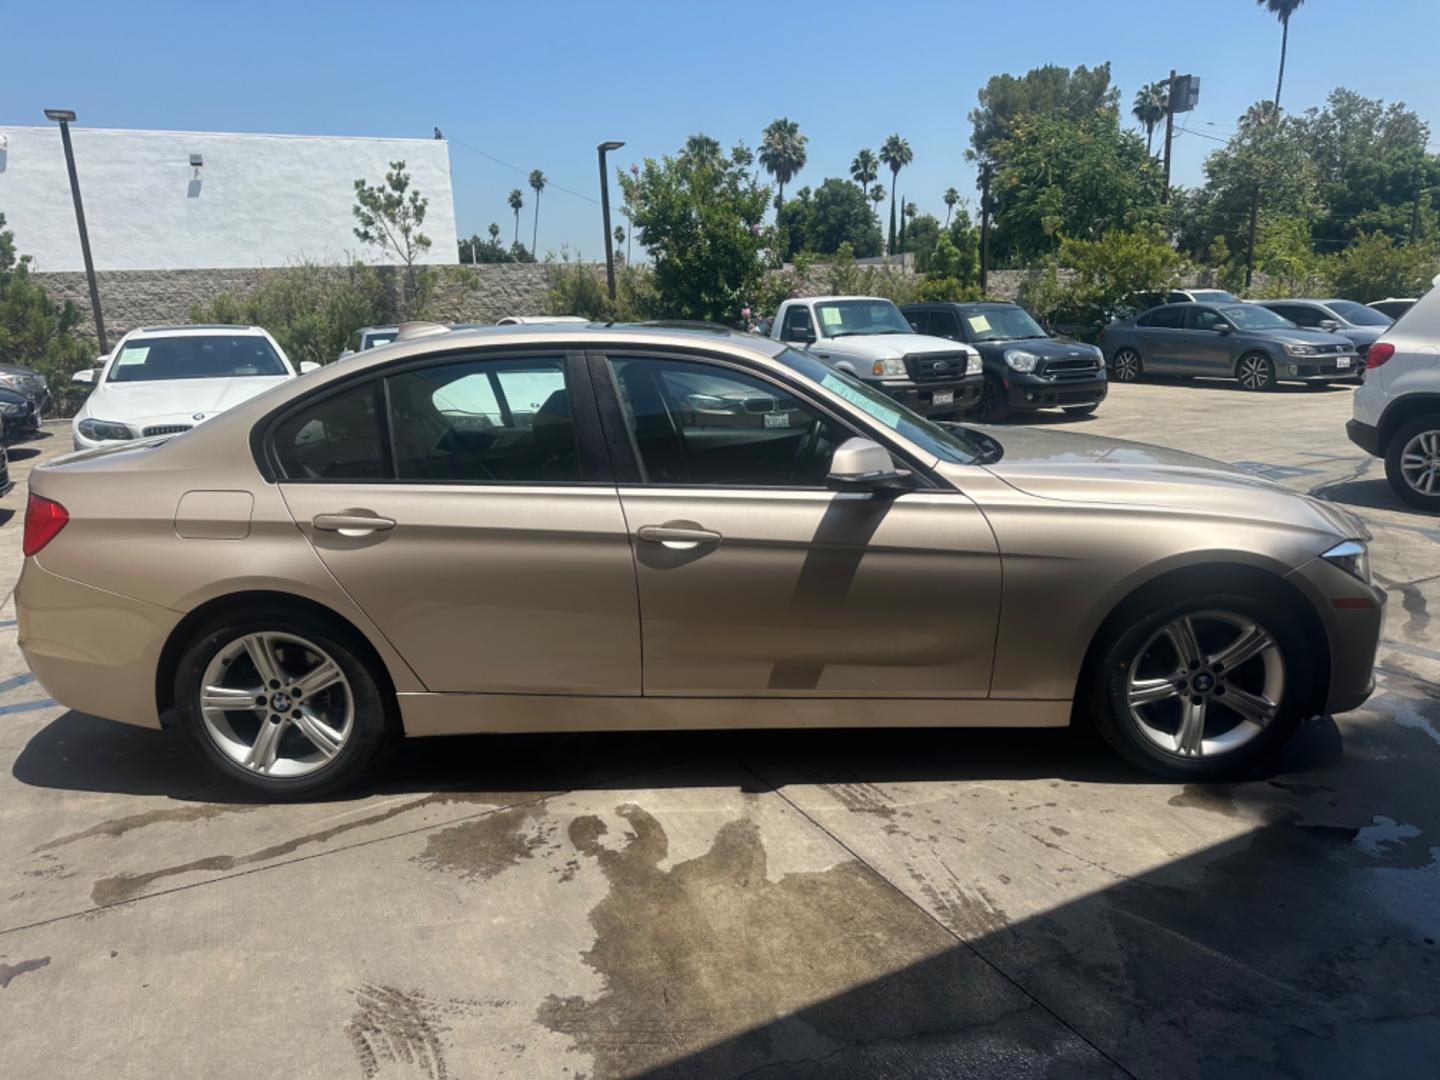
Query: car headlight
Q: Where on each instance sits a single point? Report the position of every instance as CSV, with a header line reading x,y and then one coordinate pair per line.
x,y
1300,350
104,430
973,366
1021,359
894,365
10,408
1353,557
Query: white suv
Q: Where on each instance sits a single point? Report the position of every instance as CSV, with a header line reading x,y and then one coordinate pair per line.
x,y
1397,408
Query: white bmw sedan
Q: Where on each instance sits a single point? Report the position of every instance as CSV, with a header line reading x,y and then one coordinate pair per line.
x,y
162,380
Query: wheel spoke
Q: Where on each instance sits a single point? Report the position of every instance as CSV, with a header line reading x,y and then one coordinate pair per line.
x,y
230,699
1253,707
262,655
1251,643
267,744
1182,633
325,674
1149,691
1191,736
321,735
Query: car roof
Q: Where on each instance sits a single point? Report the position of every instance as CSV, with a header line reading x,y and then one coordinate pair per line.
x,y
587,334
829,299
969,305
196,330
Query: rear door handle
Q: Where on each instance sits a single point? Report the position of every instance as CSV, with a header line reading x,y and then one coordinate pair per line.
x,y
677,537
352,524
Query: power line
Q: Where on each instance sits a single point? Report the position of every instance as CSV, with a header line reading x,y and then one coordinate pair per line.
x,y
524,172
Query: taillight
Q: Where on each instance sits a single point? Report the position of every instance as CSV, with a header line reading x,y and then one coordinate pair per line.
x,y
1379,353
44,518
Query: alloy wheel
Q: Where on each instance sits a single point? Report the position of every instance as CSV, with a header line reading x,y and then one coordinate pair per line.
x,y
1127,365
1420,462
277,704
1254,372
1205,684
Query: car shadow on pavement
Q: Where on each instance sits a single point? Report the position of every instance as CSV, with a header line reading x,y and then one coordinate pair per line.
x,y
77,752
1374,494
22,453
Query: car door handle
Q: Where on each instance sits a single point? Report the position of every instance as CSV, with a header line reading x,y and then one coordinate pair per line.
x,y
677,537
352,524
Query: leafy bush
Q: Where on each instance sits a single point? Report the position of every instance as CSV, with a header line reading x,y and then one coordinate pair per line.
x,y
35,330
1374,267
1102,273
578,288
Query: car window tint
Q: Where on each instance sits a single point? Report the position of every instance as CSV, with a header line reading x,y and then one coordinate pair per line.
x,y
922,322
702,424
337,438
1202,318
945,324
1300,314
484,422
797,323
1165,318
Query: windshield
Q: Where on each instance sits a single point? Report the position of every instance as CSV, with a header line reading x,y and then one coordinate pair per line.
x,y
1212,296
1255,317
948,445
1359,314
1001,324
196,356
841,317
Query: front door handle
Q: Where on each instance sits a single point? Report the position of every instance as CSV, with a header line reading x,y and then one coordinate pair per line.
x,y
353,523
677,536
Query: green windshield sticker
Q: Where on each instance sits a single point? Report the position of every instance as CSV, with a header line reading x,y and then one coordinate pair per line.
x,y
830,316
132,354
978,323
886,415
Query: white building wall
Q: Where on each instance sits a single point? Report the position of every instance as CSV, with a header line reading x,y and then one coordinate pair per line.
x,y
258,200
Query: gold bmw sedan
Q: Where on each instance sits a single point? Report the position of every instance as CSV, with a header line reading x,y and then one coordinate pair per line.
x,y
585,528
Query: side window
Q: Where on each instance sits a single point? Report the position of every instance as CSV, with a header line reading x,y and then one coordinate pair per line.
x,y
946,324
1165,318
338,438
697,424
1301,315
922,322
484,422
797,324
1201,318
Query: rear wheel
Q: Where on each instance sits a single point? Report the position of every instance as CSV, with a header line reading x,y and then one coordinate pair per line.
x,y
993,404
1126,366
282,703
1204,687
1412,463
1256,371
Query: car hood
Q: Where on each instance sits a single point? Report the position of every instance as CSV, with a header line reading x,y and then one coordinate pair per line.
x,y
879,346
174,400
1068,467
1045,348
1298,336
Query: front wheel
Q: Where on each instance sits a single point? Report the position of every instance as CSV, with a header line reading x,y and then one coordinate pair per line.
x,y
1204,687
282,703
1256,371
993,404
1412,463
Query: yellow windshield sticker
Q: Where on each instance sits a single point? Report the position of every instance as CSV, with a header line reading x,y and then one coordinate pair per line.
x,y
830,316
978,323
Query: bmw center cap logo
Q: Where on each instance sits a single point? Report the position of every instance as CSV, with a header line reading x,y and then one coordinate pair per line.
x,y
1204,682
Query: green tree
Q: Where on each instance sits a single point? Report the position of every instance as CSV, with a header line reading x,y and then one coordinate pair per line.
x,y
1374,267
701,223
537,185
701,149
896,154
517,203
864,169
922,232
908,210
1285,254
390,216
1104,271
1282,10
494,232
35,330
877,196
1044,91
1149,108
821,221
782,153
951,198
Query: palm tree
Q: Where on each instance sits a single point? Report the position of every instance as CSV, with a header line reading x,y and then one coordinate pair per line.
x,y
877,196
864,169
494,233
1282,10
516,200
951,198
701,149
537,183
619,235
1149,108
782,153
1259,113
897,154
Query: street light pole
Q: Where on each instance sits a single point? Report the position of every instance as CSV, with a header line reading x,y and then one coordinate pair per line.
x,y
603,149
1169,134
64,116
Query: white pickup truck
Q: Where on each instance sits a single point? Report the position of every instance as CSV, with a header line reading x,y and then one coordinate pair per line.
x,y
869,338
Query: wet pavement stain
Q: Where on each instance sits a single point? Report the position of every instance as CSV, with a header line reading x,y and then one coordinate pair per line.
x,y
968,910
712,969
120,826
1217,798
482,848
861,798
13,971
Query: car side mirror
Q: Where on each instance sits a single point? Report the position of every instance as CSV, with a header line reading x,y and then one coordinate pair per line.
x,y
865,465
308,365
346,352
804,337
85,377
1224,328
1329,324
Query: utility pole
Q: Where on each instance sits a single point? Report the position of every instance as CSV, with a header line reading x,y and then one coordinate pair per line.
x,y
984,224
1169,134
64,116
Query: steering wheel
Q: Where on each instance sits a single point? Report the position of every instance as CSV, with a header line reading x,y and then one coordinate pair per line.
x,y
806,448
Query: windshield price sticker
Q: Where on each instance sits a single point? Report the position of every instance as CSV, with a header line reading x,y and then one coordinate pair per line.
x,y
887,416
978,323
830,316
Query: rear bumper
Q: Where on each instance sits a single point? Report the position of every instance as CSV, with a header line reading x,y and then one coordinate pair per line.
x,y
1365,436
93,651
1353,615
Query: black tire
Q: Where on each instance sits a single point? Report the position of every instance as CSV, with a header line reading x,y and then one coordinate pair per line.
x,y
1426,429
993,404
1106,698
373,705
1255,371
1081,410
1127,366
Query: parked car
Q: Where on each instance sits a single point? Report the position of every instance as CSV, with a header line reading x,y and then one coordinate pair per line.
x,y
369,337
163,380
587,528
1135,303
867,337
1393,306
1361,324
1397,408
29,383
1241,341
18,418
1025,368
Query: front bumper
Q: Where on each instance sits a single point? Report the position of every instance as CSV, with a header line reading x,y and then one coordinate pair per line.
x,y
1365,436
920,397
1027,391
1353,615
1316,369
92,650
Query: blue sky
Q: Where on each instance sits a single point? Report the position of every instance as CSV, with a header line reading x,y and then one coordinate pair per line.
x,y
539,84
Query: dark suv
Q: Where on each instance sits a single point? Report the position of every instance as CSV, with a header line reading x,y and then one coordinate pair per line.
x,y
1025,368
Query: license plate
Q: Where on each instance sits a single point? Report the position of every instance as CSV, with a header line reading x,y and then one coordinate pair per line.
x,y
942,397
777,419
1342,362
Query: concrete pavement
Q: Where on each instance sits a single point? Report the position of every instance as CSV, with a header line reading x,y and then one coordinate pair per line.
x,y
717,904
